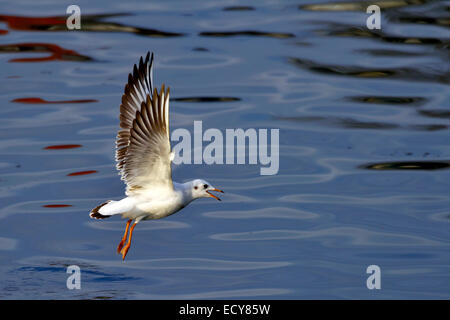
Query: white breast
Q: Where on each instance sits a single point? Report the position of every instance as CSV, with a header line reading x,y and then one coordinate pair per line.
x,y
156,204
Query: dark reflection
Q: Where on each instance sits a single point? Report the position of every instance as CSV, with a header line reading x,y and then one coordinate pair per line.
x,y
56,52
407,165
410,101
200,49
357,124
341,122
247,33
396,11
63,146
444,114
81,173
90,23
442,21
412,74
238,8
206,99
390,53
42,101
347,31
360,5
428,127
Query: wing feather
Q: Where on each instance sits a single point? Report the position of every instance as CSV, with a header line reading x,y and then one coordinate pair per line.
x,y
135,92
143,152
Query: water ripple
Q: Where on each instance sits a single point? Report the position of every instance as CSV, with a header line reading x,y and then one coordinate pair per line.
x,y
340,237
271,212
221,294
8,243
161,264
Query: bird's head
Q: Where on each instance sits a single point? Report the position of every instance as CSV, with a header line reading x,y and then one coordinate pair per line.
x,y
202,189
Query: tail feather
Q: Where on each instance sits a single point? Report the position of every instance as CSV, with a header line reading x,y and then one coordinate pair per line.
x,y
95,214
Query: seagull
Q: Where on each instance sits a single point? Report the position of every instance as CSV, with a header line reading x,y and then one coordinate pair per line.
x,y
144,157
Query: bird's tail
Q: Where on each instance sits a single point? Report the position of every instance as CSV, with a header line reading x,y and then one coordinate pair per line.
x,y
111,207
95,213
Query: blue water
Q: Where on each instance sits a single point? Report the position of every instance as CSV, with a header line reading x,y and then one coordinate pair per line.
x,y
364,155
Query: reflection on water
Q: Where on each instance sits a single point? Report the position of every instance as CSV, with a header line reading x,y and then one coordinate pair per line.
x,y
361,5
63,146
363,118
56,52
408,165
251,33
93,23
56,205
412,74
238,8
435,113
357,124
43,101
409,101
436,16
346,31
81,173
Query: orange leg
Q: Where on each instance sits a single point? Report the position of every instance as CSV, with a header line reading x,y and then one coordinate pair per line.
x,y
127,246
122,242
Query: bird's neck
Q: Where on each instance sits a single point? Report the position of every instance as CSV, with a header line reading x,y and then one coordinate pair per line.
x,y
185,189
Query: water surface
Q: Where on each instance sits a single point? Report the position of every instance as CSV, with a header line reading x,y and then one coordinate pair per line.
x,y
364,155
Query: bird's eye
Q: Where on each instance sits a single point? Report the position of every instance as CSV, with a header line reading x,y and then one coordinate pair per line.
x,y
205,186
195,187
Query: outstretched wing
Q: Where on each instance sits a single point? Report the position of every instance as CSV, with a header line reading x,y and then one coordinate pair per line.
x,y
143,151
139,85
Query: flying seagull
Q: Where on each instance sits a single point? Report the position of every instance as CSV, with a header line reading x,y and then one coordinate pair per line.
x,y
143,158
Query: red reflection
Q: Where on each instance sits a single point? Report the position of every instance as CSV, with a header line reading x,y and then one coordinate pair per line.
x,y
34,100
57,205
92,23
2,32
63,146
30,23
57,53
81,173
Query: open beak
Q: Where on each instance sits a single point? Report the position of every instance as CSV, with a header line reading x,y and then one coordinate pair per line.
x,y
213,196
